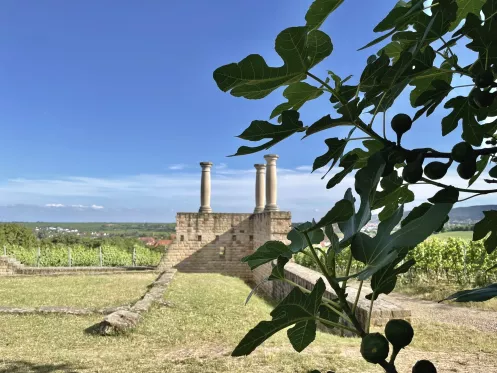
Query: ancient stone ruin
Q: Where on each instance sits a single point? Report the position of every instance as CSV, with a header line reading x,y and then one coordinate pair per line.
x,y
209,241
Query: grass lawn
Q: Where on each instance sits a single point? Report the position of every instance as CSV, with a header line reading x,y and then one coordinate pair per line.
x,y
197,333
74,291
467,235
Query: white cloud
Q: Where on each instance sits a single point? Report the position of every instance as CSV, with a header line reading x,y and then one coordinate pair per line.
x,y
304,168
301,192
177,167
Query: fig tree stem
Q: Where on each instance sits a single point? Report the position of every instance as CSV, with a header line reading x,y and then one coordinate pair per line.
x,y
395,352
389,368
338,291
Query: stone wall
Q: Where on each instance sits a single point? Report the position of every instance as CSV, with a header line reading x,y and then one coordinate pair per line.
x,y
8,266
383,309
216,242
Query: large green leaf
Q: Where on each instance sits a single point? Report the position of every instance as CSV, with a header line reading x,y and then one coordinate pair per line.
x,y
348,162
261,129
485,226
472,131
278,271
266,253
464,7
319,11
483,37
432,97
252,78
480,167
393,194
382,249
384,281
429,28
418,212
395,78
297,308
423,82
342,211
394,49
297,239
373,72
366,182
475,295
297,95
392,18
372,146
350,112
336,147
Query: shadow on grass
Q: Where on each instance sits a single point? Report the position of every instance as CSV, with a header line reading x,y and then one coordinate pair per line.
x,y
27,367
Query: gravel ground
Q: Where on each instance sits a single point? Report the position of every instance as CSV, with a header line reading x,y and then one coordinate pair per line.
x,y
444,313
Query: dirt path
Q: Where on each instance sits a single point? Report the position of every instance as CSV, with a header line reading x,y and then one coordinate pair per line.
x,y
444,313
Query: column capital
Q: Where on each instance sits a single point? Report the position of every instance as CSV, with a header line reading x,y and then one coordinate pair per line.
x,y
259,166
271,156
206,165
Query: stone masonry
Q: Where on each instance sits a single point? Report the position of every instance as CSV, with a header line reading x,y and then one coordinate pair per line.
x,y
217,242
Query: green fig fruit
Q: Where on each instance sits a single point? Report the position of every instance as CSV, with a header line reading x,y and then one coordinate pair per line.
x,y
399,333
467,169
424,366
401,123
462,151
436,170
413,171
484,79
374,348
483,98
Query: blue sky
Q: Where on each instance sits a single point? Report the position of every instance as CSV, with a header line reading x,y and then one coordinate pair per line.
x,y
111,104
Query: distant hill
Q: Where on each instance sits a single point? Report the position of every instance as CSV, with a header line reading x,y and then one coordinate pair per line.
x,y
469,214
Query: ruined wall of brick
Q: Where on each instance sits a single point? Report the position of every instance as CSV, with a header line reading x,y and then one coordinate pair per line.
x,y
6,266
216,242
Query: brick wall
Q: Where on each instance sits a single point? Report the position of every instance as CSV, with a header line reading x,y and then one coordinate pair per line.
x,y
6,266
216,242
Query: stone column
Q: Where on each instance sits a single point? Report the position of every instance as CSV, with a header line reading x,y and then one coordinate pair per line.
x,y
271,183
260,187
205,188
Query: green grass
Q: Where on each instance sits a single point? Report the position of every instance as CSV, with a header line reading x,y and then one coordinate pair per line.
x,y
197,333
467,235
74,291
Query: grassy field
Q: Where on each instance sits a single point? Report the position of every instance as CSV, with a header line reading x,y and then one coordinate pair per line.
x,y
467,235
75,291
196,334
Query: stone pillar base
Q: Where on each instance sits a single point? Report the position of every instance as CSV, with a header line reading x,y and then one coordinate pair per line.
x,y
271,208
258,210
205,210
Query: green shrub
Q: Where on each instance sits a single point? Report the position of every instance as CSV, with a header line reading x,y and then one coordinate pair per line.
x,y
451,259
57,255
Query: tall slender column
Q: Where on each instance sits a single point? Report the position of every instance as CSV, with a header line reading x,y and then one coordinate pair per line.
x,y
271,183
260,187
205,188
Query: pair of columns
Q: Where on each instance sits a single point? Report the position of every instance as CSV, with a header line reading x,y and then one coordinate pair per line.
x,y
265,186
